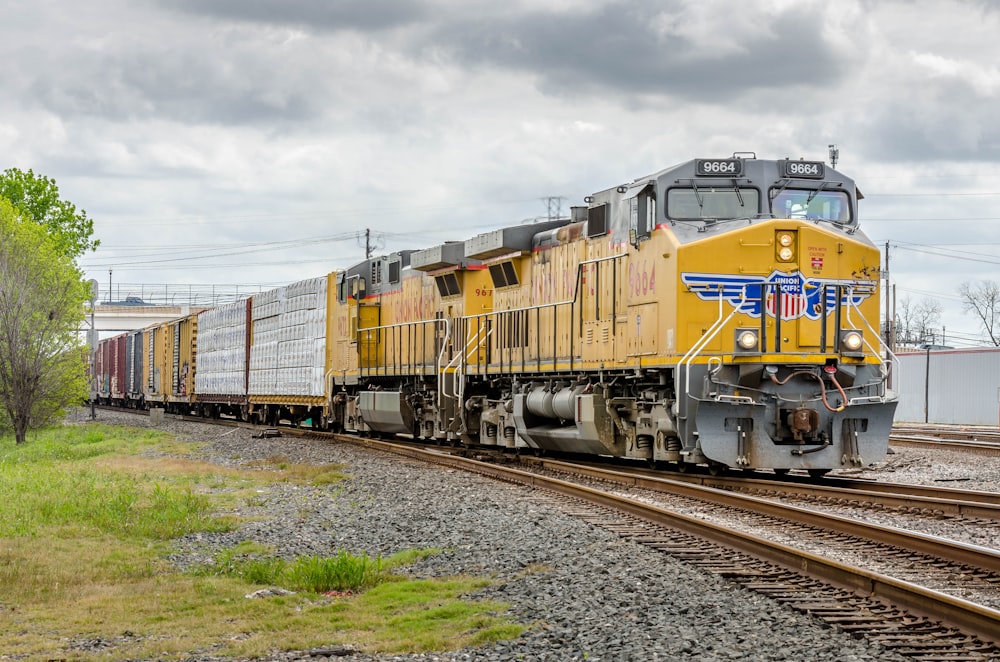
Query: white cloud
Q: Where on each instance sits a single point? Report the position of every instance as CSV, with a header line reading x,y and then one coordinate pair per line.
x,y
985,80
221,123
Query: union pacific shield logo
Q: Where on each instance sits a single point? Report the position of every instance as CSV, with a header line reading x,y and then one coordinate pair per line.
x,y
788,293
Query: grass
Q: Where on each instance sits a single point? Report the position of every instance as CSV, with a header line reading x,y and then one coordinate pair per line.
x,y
87,515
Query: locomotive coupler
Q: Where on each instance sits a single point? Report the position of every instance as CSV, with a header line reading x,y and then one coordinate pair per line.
x,y
803,421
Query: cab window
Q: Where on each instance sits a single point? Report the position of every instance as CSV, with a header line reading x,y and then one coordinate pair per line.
x,y
812,205
712,202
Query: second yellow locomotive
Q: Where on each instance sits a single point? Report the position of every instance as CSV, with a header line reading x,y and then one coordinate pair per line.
x,y
720,312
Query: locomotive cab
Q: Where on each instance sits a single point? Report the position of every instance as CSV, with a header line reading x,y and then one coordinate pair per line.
x,y
789,373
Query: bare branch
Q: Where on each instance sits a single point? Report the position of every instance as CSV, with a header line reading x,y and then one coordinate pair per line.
x,y
983,301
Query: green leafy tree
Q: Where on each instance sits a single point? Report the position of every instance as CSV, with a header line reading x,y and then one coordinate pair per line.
x,y
42,296
37,196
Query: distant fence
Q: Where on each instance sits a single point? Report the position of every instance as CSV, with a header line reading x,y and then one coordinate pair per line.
x,y
174,295
958,387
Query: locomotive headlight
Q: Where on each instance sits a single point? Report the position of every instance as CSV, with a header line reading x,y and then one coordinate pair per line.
x,y
746,340
786,246
851,340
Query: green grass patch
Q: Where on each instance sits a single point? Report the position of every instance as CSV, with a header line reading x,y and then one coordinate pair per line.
x,y
87,515
303,474
313,574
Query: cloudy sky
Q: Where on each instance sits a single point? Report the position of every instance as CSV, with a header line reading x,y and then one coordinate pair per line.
x,y
252,143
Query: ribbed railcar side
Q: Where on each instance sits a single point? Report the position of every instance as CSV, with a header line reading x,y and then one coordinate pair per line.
x,y
223,360
288,354
135,369
117,369
171,364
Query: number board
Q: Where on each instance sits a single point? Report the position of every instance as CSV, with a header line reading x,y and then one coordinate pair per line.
x,y
809,169
718,167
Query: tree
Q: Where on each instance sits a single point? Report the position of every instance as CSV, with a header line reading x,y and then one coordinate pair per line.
x,y
983,300
42,296
37,196
916,321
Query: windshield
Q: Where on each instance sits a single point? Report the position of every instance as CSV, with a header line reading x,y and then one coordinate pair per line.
x,y
814,205
712,203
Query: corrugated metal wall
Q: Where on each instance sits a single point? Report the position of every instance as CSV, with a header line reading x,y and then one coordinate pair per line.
x,y
964,387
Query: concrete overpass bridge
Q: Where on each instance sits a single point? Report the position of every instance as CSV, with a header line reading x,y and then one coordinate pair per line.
x,y
111,318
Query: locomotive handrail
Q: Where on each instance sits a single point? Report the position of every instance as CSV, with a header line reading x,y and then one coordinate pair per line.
x,y
893,362
444,348
415,323
707,337
459,361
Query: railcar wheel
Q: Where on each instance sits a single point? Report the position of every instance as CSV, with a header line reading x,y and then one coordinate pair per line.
x,y
818,473
780,472
717,469
683,467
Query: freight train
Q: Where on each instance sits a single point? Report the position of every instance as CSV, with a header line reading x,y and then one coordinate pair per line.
x,y
721,312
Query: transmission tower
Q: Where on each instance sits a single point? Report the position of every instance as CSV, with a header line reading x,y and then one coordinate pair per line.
x,y
553,204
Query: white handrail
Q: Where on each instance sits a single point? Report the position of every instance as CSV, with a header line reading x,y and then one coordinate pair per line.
x,y
709,334
893,359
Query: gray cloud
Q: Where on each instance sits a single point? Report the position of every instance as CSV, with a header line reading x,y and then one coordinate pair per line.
x,y
233,84
634,47
309,14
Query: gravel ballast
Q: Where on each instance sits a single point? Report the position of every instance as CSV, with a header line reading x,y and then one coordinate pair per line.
x,y
584,593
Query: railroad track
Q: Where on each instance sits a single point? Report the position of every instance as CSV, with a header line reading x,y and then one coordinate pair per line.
x,y
912,500
982,440
949,621
911,619
956,433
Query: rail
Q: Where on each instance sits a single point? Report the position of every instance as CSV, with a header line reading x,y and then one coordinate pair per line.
x,y
968,617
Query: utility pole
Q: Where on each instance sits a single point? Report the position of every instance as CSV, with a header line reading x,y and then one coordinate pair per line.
x,y
834,155
368,243
92,341
889,316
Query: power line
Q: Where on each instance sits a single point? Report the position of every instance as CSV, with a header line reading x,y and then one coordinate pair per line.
x,y
952,256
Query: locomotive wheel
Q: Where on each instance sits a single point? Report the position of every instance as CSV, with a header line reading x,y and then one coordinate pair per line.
x,y
818,473
717,469
683,467
780,472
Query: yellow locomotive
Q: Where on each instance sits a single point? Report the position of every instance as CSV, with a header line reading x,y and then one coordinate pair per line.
x,y
720,312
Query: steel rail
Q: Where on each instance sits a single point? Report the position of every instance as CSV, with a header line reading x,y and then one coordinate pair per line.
x,y
938,443
946,501
958,552
979,620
